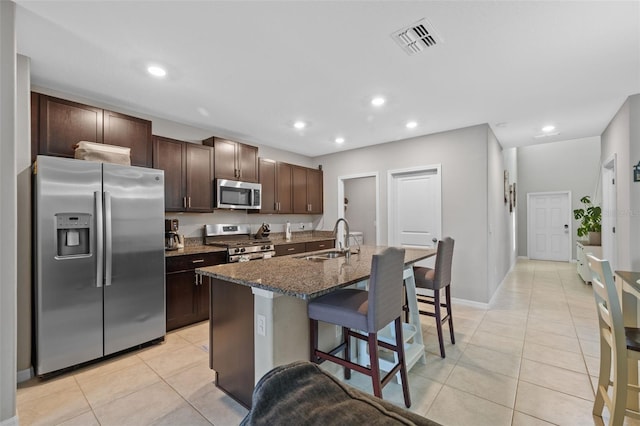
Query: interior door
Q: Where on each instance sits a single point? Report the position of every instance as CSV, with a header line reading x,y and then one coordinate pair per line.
x,y
415,209
549,231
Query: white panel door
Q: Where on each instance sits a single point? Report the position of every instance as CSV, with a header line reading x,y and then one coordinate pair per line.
x,y
549,226
415,208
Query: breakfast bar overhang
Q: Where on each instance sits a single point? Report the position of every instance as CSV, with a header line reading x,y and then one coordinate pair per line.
x,y
258,310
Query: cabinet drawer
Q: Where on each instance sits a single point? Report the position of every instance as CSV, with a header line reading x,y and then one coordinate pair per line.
x,y
193,261
320,245
285,249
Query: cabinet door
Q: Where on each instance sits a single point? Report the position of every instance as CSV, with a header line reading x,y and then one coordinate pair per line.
x,y
225,159
181,299
267,172
299,185
314,191
199,176
64,123
247,162
130,132
169,155
284,187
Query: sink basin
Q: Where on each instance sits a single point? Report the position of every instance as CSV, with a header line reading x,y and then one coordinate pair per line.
x,y
320,256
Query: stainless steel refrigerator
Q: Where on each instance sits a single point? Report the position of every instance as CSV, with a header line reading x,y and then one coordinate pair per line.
x,y
99,283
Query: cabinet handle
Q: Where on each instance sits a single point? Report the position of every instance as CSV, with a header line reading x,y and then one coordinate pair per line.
x,y
291,249
196,280
184,202
197,261
189,202
320,245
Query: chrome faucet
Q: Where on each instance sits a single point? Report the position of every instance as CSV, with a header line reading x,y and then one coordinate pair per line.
x,y
346,250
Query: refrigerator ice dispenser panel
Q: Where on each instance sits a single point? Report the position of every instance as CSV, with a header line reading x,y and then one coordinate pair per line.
x,y
73,234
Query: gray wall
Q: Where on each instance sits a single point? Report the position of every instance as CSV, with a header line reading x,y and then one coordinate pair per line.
x,y
621,138
8,213
500,220
463,155
572,165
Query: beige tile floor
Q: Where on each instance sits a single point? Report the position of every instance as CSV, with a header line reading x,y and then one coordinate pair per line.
x,y
530,359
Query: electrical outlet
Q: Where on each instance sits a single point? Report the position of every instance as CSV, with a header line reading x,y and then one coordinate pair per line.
x,y
261,325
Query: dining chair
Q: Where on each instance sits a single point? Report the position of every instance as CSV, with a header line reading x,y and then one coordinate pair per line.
x,y
619,345
437,279
362,314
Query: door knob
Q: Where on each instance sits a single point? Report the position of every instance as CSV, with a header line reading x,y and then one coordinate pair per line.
x,y
435,240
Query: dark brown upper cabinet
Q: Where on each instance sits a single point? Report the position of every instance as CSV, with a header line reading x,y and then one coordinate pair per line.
x,y
276,180
307,190
188,174
61,124
130,132
64,123
234,160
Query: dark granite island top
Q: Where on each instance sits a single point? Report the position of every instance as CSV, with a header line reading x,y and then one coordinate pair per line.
x,y
302,278
258,312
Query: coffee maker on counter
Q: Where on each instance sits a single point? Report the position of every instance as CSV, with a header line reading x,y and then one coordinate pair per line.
x,y
171,237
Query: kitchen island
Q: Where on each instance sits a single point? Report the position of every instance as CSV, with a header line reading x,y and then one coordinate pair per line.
x,y
259,311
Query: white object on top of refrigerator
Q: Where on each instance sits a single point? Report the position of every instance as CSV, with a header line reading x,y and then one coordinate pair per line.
x,y
99,260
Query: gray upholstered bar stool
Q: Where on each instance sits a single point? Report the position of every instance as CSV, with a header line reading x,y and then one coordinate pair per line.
x,y
436,279
369,312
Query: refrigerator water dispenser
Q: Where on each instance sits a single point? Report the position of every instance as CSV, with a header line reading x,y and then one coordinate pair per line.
x,y
73,234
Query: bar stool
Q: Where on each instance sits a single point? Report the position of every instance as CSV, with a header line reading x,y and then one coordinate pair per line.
x,y
618,344
436,279
369,312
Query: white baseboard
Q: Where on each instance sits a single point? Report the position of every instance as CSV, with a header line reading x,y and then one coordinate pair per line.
x,y
470,303
24,375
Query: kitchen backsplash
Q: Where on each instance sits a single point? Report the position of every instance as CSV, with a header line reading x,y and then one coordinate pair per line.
x,y
191,224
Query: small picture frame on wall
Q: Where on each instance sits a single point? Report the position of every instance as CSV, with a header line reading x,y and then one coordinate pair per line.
x,y
506,186
513,194
511,204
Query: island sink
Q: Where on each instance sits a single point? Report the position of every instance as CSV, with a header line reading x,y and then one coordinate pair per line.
x,y
320,256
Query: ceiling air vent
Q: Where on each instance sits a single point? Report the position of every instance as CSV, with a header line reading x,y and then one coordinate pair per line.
x,y
417,37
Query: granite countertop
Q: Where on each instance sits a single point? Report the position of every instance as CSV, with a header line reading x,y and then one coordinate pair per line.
x,y
305,279
194,245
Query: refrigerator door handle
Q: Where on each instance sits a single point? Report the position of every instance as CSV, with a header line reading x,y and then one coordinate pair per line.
x,y
108,246
97,195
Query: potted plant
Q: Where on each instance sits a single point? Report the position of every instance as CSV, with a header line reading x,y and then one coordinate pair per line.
x,y
590,217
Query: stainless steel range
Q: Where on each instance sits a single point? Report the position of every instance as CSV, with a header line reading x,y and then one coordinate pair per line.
x,y
241,246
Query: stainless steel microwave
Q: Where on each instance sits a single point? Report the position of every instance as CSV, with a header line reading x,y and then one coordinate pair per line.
x,y
232,194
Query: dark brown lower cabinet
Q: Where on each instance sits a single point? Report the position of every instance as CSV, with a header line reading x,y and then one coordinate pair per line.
x,y
187,295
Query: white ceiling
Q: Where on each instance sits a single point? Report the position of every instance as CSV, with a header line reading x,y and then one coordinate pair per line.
x,y
249,69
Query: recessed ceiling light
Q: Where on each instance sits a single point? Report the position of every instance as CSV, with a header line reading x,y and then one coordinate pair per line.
x,y
339,140
378,101
411,125
548,128
299,124
156,71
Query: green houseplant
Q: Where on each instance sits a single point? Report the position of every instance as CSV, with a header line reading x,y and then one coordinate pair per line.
x,y
590,217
